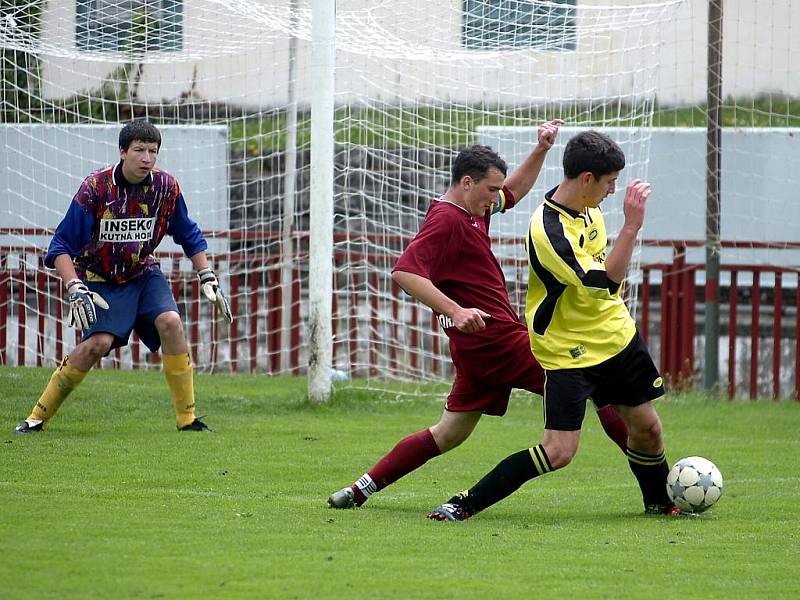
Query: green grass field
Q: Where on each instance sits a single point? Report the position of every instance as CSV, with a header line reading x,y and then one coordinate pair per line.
x,y
112,502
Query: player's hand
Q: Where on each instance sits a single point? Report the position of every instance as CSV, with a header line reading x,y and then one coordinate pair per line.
x,y
636,196
83,305
547,133
213,293
470,320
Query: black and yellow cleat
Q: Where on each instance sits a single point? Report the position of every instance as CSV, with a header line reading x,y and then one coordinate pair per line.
x,y
669,510
452,510
449,511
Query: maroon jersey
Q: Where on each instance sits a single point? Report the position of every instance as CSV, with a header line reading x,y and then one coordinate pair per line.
x,y
454,251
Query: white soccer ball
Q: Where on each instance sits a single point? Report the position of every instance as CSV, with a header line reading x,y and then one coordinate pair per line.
x,y
694,484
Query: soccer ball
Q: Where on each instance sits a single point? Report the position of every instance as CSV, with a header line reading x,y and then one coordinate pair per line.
x,y
694,484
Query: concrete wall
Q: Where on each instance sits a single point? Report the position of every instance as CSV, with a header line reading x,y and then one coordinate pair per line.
x,y
759,196
42,166
238,52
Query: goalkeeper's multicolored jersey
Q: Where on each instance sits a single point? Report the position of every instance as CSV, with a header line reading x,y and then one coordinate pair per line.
x,y
576,317
113,226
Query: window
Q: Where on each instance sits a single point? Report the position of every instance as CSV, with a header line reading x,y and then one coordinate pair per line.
x,y
129,25
506,24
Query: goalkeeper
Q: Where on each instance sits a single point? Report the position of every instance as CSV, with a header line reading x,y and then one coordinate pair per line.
x,y
450,267
102,250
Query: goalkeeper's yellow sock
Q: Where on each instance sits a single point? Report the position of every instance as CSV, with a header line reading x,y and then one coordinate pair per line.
x,y
180,378
65,379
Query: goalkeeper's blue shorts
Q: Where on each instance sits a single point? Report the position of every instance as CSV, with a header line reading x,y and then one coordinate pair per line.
x,y
133,306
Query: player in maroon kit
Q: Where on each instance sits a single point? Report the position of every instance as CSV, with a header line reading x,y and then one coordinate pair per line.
x,y
450,267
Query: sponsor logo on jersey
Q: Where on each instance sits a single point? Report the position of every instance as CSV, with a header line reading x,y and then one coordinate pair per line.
x,y
445,321
127,230
658,382
593,234
577,351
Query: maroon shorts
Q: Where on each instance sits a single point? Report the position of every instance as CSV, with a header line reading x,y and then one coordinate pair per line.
x,y
489,390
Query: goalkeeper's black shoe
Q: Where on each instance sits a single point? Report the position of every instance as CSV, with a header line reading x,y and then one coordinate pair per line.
x,y
452,510
26,427
196,425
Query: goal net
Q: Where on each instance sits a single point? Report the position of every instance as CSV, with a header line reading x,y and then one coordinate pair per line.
x,y
229,85
759,144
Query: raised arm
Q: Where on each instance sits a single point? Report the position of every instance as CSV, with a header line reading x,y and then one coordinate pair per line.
x,y
525,175
618,260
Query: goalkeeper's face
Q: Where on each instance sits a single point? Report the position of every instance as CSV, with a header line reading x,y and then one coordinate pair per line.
x,y
138,160
480,195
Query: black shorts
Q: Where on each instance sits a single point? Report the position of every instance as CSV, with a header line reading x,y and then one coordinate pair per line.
x,y
630,378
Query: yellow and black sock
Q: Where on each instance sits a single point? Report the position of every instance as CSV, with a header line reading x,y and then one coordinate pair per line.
x,y
65,379
180,379
651,472
507,477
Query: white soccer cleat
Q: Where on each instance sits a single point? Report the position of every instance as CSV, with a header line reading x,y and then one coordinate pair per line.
x,y
344,498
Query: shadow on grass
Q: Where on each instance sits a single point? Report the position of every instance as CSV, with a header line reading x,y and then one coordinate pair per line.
x,y
511,517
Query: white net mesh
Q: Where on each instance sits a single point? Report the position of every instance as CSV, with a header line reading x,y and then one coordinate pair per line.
x,y
760,169
229,85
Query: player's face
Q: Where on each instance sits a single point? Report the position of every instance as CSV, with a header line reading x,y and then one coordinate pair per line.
x,y
138,160
482,194
597,189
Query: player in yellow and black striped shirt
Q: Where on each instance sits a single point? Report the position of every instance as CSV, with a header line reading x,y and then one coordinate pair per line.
x,y
576,317
581,331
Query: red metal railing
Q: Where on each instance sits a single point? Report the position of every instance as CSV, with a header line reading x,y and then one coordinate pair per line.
x,y
679,316
397,339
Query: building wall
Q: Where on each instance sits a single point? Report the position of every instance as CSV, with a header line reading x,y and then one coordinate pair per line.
x,y
238,52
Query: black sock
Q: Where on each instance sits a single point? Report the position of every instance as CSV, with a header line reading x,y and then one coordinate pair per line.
x,y
651,473
505,478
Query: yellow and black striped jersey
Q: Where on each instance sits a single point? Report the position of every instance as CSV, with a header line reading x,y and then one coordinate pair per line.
x,y
576,317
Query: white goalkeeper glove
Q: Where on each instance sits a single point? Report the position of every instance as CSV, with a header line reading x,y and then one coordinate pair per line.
x,y
83,305
213,293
